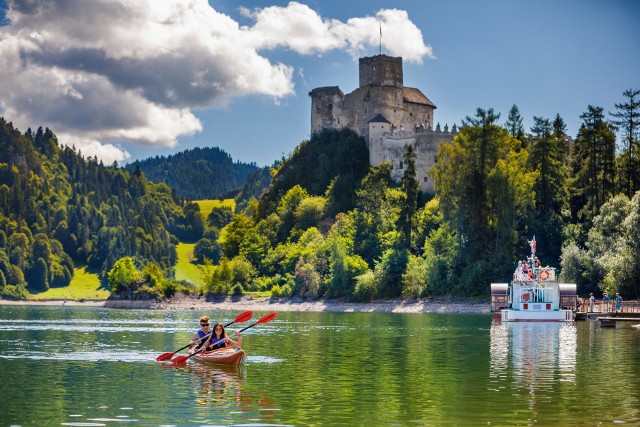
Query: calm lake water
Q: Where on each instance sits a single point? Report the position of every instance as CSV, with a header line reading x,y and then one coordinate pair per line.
x,y
96,367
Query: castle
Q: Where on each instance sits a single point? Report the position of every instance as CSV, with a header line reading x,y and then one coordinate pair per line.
x,y
387,114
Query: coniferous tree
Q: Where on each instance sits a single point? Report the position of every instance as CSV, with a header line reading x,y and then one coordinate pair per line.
x,y
38,279
627,119
410,189
593,165
514,123
550,188
563,140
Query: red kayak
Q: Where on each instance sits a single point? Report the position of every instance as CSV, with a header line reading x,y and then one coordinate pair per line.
x,y
223,356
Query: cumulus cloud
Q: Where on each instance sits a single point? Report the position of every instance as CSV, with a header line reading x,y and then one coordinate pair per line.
x,y
101,71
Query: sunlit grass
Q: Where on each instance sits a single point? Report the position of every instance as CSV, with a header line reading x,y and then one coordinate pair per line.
x,y
85,285
206,206
186,270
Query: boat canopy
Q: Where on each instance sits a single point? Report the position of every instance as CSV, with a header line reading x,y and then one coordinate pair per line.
x,y
568,296
499,296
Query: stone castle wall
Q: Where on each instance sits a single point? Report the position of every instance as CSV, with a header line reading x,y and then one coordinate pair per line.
x,y
408,115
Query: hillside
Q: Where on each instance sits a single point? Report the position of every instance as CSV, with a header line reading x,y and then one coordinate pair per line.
x,y
199,173
59,210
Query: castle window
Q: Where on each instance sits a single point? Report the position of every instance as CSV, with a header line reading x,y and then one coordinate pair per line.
x,y
426,179
410,114
401,165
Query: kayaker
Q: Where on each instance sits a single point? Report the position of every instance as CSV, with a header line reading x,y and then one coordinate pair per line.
x,y
199,337
219,339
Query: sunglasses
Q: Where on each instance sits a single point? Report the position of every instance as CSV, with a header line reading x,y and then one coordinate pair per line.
x,y
204,324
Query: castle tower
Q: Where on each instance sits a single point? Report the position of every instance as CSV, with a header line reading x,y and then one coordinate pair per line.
x,y
327,109
378,126
381,70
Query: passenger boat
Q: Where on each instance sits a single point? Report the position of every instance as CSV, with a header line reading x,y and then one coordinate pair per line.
x,y
534,294
223,356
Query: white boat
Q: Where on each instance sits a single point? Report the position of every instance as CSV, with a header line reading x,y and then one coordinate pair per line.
x,y
534,294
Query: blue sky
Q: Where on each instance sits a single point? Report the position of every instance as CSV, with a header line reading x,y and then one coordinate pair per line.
x,y
123,95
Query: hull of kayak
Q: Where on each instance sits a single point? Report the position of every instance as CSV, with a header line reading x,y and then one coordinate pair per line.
x,y
225,356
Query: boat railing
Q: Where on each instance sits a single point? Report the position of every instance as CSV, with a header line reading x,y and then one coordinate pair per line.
x,y
542,274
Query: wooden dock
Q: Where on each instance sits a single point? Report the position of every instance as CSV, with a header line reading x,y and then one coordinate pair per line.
x,y
611,321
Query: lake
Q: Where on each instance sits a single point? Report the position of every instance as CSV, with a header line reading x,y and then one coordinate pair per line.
x,y
79,366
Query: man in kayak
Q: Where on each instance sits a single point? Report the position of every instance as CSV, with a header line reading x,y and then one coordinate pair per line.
x,y
199,338
219,339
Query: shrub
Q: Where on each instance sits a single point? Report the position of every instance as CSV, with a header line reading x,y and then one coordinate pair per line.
x,y
237,290
366,287
15,292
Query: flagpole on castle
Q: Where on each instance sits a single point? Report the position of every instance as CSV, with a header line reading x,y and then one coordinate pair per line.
x,y
380,22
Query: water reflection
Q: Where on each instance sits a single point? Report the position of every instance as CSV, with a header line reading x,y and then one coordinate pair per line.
x,y
534,355
215,384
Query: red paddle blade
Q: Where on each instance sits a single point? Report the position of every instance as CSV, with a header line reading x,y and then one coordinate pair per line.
x,y
165,356
243,317
180,359
268,318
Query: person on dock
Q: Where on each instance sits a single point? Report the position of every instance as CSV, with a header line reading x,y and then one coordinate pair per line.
x,y
219,339
592,302
605,301
618,302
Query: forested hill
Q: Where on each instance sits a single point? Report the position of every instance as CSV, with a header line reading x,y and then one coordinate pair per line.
x,y
58,209
199,173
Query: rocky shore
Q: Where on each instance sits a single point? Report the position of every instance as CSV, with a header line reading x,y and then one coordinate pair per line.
x,y
194,302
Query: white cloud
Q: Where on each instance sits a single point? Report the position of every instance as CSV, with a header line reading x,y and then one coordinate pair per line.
x,y
108,153
113,70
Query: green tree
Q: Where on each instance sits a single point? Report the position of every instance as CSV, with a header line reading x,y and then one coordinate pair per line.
x,y
39,277
593,165
207,249
19,250
564,142
484,190
550,188
514,123
220,216
627,118
309,212
370,219
410,189
41,247
124,275
194,223
236,233
612,243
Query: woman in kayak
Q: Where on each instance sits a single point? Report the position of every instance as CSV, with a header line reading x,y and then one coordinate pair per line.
x,y
219,339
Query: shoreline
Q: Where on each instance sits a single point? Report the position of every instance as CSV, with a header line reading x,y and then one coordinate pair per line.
x,y
182,302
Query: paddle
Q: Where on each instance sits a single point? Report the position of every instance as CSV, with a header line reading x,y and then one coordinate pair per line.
x,y
264,319
242,317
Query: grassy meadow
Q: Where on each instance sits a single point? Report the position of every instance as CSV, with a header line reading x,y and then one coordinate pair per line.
x,y
185,269
206,206
85,285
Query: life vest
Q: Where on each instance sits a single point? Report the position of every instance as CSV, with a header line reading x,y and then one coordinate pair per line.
x,y
217,343
202,335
